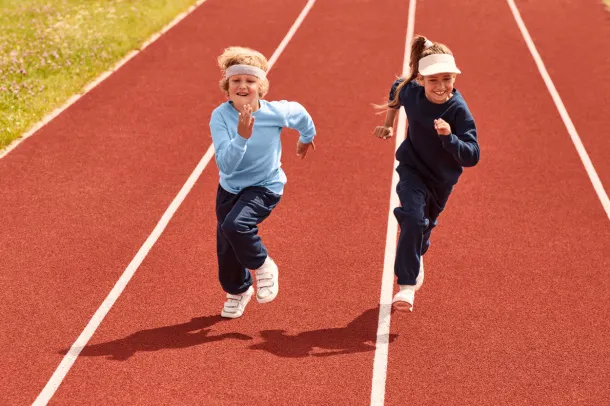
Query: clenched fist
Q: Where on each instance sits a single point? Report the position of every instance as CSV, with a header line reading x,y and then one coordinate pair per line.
x,y
246,122
302,148
442,127
383,132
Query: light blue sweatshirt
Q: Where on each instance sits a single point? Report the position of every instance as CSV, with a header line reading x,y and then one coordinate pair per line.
x,y
256,161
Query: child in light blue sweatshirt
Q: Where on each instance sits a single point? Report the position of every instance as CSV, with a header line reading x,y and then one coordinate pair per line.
x,y
246,133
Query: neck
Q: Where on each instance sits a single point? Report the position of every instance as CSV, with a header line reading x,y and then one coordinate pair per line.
x,y
255,105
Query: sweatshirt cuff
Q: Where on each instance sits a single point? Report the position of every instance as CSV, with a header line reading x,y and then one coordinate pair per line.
x,y
450,142
306,139
240,142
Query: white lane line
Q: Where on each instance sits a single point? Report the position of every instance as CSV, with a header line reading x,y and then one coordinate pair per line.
x,y
582,152
380,363
66,363
46,119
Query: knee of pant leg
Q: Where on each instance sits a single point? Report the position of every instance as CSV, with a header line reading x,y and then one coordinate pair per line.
x,y
231,227
410,218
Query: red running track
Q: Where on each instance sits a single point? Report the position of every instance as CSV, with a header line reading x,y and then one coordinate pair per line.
x,y
513,309
88,189
575,49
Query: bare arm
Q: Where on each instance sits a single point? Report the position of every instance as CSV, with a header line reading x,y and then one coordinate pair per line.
x,y
390,116
386,130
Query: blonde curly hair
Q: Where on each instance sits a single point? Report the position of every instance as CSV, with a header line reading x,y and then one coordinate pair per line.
x,y
243,56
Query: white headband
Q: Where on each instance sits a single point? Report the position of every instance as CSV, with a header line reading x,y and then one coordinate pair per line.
x,y
437,63
245,70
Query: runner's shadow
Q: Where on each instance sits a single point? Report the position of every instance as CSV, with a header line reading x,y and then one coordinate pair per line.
x,y
194,332
358,336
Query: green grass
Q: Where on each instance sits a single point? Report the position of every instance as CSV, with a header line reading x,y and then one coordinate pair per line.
x,y
50,49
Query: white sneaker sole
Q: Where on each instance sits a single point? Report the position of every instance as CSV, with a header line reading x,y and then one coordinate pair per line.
x,y
403,300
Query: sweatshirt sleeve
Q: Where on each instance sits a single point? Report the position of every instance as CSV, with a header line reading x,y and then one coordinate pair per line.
x,y
228,151
462,143
299,119
395,85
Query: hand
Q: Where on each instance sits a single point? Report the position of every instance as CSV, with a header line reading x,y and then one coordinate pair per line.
x,y
245,122
383,132
442,127
302,148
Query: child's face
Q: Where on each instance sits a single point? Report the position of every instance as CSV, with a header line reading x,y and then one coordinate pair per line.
x,y
243,89
439,87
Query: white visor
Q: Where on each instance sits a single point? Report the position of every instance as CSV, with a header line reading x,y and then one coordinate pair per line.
x,y
437,63
245,70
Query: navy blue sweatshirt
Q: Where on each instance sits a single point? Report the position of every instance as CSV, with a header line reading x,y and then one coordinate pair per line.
x,y
439,159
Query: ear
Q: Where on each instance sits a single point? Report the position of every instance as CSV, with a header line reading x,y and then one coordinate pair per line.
x,y
420,79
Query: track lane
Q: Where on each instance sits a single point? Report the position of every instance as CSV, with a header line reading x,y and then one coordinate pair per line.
x,y
580,76
513,307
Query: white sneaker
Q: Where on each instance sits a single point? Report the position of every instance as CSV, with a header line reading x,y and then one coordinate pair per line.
x,y
403,300
267,284
236,304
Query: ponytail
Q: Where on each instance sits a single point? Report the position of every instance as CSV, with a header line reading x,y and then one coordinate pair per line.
x,y
420,47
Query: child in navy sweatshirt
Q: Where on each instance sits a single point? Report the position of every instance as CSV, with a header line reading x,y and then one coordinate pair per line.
x,y
441,140
246,134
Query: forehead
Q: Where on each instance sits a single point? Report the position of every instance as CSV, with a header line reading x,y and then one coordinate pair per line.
x,y
243,77
441,76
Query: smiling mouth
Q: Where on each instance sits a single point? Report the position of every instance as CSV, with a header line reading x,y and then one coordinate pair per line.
x,y
242,94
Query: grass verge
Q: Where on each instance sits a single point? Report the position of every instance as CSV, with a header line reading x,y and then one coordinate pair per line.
x,y
50,49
